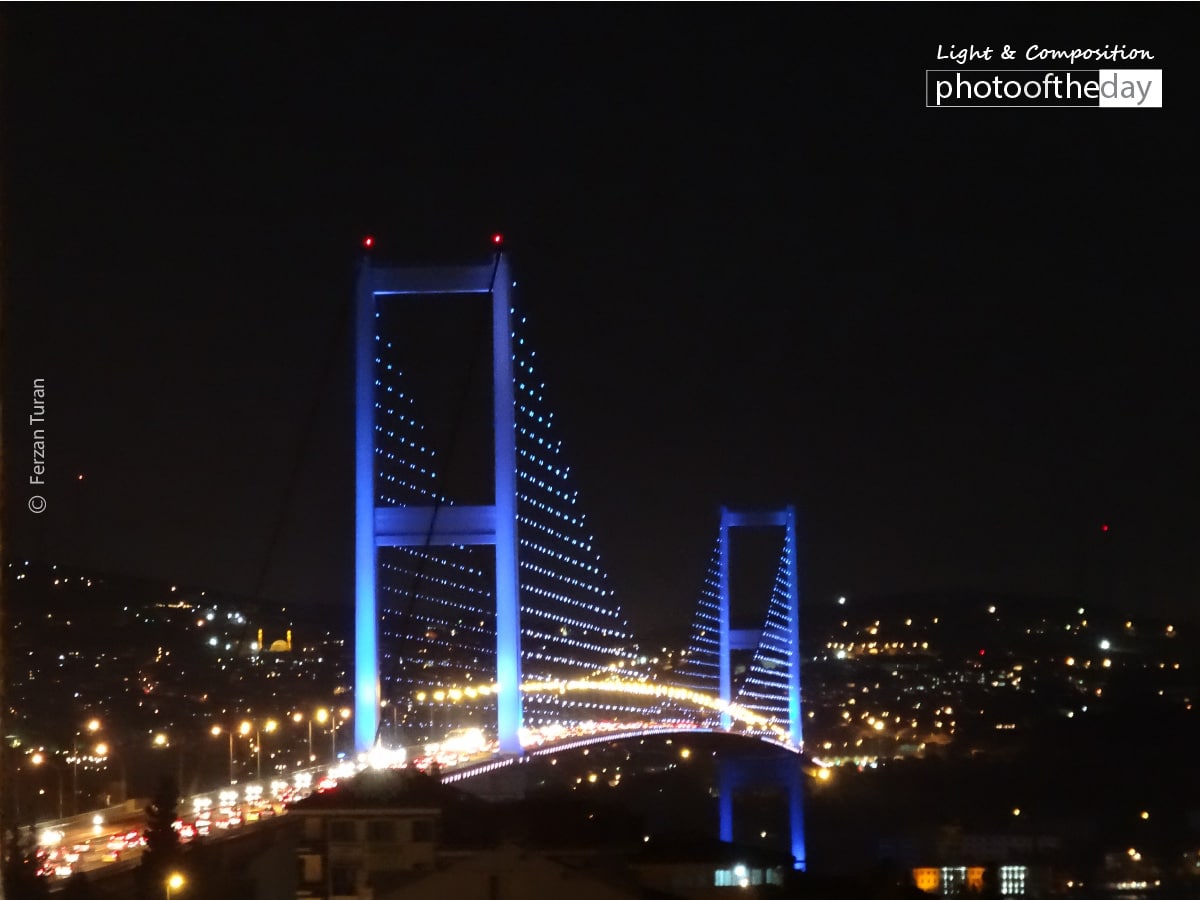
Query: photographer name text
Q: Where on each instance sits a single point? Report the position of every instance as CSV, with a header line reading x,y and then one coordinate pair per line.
x,y
37,503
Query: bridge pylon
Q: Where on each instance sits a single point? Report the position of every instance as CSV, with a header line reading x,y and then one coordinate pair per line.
x,y
493,524
785,639
729,640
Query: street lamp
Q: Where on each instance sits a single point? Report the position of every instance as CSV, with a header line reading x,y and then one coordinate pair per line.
x,y
343,714
244,729
298,717
103,751
322,716
92,727
216,732
268,728
395,719
174,882
39,759
161,741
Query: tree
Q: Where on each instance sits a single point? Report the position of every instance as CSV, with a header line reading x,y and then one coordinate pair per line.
x,y
22,877
162,840
991,882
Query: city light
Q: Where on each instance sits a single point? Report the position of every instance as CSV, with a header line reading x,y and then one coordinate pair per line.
x,y
736,712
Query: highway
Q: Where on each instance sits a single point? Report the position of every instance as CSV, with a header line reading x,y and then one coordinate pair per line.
x,y
113,838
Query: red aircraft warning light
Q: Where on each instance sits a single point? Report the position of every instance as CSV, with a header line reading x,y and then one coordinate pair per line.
x,y
497,239
1104,527
368,242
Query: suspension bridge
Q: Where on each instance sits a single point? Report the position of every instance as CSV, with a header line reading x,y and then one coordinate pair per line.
x,y
505,603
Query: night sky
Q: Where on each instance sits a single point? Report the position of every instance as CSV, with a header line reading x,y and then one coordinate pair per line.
x,y
756,268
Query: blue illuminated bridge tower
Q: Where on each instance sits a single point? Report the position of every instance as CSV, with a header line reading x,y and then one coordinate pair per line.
x,y
459,595
770,685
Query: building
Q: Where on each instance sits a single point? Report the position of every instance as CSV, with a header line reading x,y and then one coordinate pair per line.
x,y
352,845
698,868
511,871
951,881
395,835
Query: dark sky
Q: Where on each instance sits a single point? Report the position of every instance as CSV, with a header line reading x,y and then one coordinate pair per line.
x,y
757,269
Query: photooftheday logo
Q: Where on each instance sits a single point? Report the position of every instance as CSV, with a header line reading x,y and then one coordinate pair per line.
x,y
1026,88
